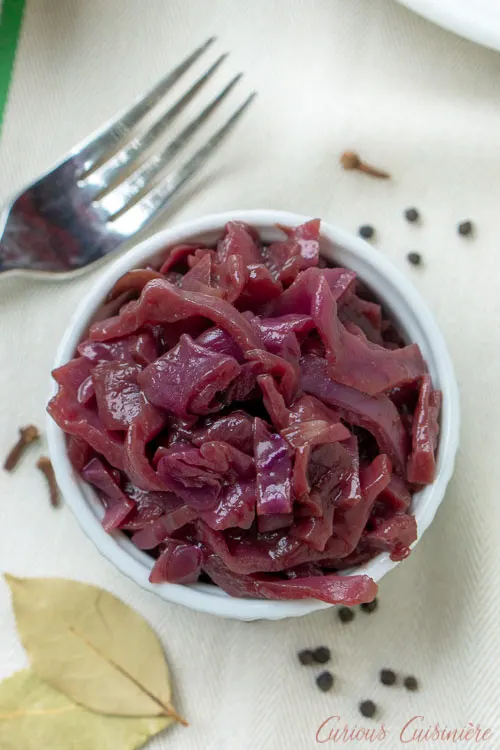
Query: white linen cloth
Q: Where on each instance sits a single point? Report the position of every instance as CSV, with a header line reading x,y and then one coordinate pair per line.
x,y
332,75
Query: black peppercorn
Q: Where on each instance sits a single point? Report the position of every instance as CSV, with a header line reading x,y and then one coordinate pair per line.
x,y
325,681
411,683
306,657
465,228
321,655
415,259
346,614
366,231
412,215
368,709
370,606
387,677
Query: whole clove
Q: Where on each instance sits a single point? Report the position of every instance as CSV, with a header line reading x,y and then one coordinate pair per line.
x,y
45,466
350,160
27,435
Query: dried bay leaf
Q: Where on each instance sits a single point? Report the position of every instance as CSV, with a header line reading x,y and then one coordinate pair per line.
x,y
92,647
34,716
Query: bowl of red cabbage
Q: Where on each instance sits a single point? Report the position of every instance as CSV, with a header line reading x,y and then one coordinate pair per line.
x,y
254,415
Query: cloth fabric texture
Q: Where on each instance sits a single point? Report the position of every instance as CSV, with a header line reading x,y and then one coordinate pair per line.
x,y
332,75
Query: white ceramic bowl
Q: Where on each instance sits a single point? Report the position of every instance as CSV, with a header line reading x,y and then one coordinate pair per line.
x,y
400,298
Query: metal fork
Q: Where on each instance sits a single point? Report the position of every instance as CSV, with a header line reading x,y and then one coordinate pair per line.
x,y
101,195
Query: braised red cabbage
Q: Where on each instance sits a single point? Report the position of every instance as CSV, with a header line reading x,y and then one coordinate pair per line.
x,y
253,416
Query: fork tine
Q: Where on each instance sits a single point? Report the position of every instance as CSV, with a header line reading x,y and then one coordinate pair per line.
x,y
115,201
93,150
113,169
136,215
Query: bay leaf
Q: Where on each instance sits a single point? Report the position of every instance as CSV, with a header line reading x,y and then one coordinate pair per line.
x,y
34,716
92,647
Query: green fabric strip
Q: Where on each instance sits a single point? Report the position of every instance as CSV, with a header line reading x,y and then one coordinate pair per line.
x,y
10,25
